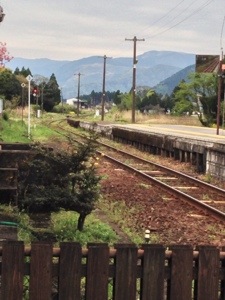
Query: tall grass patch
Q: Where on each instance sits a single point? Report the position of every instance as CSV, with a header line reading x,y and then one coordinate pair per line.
x,y
64,227
13,131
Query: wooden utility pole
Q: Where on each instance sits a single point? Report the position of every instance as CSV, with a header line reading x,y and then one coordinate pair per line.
x,y
220,85
78,94
134,76
103,88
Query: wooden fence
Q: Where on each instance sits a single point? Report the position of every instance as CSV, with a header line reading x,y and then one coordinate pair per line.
x,y
98,272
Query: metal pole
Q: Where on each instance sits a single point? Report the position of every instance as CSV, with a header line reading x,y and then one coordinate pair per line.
x,y
23,86
29,78
29,110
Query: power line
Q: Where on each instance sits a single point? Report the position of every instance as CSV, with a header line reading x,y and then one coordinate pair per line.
x,y
183,20
164,16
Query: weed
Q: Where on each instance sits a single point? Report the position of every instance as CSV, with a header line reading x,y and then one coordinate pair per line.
x,y
145,186
208,178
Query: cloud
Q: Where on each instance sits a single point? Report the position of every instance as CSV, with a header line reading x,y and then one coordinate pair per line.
x,y
74,29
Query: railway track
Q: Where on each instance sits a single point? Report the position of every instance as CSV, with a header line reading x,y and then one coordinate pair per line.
x,y
203,196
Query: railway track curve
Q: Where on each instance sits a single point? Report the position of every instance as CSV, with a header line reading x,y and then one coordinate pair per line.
x,y
205,197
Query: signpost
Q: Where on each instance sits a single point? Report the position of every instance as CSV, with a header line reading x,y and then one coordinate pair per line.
x,y
29,78
23,85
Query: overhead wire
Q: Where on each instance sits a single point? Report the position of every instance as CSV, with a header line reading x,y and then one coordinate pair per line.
x,y
164,16
183,20
174,18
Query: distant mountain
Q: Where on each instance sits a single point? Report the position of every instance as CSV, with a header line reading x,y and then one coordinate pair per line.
x,y
167,86
153,68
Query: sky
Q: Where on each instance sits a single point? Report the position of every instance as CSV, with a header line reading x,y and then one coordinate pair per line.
x,y
75,29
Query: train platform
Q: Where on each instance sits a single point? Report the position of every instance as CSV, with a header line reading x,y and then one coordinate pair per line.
x,y
191,132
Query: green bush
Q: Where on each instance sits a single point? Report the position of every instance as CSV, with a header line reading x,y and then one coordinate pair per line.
x,y
5,116
65,108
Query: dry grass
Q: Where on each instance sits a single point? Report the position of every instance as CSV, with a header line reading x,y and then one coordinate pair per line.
x,y
156,119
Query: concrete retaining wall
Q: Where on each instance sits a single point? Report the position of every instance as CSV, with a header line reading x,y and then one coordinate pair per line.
x,y
207,156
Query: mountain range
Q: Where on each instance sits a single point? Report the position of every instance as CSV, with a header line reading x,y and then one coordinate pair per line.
x,y
161,70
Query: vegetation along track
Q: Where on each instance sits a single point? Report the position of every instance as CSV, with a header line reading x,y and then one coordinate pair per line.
x,y
199,194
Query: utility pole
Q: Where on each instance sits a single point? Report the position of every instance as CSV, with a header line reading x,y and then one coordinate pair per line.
x,y
103,87
135,40
220,84
78,94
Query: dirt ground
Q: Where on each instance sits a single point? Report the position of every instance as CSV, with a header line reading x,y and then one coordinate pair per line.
x,y
146,207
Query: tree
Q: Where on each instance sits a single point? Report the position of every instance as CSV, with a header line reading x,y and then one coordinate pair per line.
x,y
54,180
151,99
200,94
117,98
4,54
24,72
125,101
51,94
9,85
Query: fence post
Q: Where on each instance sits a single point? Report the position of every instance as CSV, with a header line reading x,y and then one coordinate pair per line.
x,y
208,273
97,272
125,272
12,270
41,271
70,268
153,265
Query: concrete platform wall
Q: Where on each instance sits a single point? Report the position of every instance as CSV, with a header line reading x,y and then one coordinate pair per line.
x,y
207,156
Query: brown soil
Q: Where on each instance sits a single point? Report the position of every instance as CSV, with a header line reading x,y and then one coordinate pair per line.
x,y
170,221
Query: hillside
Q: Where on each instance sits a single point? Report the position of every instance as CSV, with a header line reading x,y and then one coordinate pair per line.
x,y
153,68
167,86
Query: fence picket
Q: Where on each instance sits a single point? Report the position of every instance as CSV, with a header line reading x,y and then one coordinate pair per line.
x,y
181,272
152,282
12,270
97,272
125,272
41,271
208,273
70,263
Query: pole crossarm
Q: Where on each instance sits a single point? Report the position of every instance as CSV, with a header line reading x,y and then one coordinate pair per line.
x,y
135,61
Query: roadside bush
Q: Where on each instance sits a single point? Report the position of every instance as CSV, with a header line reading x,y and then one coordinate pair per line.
x,y
65,108
5,116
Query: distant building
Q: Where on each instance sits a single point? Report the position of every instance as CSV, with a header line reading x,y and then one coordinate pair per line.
x,y
73,101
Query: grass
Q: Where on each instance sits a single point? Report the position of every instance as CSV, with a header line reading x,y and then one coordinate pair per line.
x,y
64,226
15,130
120,214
